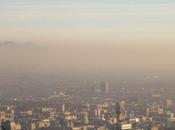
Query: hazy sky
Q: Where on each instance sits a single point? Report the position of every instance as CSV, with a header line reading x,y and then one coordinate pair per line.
x,y
92,35
86,21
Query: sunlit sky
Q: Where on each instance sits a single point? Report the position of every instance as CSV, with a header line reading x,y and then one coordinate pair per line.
x,y
54,21
88,35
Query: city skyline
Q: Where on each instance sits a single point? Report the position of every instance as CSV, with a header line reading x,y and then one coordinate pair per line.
x,y
87,64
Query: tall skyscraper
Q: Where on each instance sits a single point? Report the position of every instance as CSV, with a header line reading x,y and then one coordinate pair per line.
x,y
105,87
122,110
117,108
63,108
85,118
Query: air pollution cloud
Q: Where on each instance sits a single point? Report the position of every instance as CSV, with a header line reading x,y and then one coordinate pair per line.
x,y
86,58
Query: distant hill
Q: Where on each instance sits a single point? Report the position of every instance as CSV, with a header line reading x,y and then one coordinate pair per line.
x,y
12,44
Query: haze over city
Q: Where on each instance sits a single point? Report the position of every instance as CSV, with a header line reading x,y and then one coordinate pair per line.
x,y
87,64
88,36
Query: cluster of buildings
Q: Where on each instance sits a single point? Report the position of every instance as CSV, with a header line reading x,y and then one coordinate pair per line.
x,y
82,109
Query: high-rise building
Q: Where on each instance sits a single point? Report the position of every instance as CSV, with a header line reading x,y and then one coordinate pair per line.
x,y
63,108
169,103
85,118
122,110
6,125
117,108
105,88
